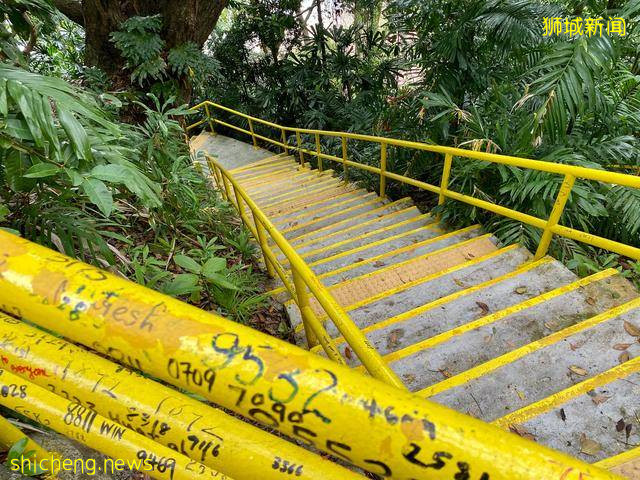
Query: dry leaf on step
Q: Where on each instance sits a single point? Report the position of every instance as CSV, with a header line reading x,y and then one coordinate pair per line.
x,y
621,346
588,446
624,357
599,398
521,290
460,283
520,430
631,329
445,373
347,353
484,307
378,264
578,370
591,300
620,425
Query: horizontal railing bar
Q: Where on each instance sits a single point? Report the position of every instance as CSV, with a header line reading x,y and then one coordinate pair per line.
x,y
550,167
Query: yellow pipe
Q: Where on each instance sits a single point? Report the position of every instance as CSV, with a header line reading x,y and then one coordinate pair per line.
x,y
201,432
82,424
397,433
284,141
554,218
383,169
206,109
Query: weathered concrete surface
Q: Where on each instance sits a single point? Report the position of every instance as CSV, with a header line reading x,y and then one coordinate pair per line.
x,y
231,153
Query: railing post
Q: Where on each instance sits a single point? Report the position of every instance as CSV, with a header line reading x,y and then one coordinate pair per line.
x,y
227,189
253,134
556,213
318,152
446,173
206,109
303,304
383,169
344,159
299,142
284,142
264,245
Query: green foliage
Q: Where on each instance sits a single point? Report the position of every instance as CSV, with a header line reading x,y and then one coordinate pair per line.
x,y
17,452
475,74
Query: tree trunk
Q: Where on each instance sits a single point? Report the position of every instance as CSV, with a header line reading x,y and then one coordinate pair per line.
x,y
183,21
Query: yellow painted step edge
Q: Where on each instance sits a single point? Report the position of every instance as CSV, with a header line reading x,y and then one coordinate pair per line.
x,y
494,317
340,203
331,215
359,193
449,298
553,401
518,353
264,161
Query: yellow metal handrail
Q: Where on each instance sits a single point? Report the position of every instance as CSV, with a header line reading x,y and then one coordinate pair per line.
x,y
549,226
303,279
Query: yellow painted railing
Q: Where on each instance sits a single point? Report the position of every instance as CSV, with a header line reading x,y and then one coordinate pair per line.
x,y
549,226
320,403
304,281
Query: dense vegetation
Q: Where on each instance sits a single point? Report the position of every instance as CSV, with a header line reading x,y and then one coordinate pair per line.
x,y
476,74
124,196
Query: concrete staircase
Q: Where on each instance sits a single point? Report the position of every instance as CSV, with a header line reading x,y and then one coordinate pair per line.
x,y
463,320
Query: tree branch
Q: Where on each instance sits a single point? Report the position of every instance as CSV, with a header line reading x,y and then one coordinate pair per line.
x,y
72,9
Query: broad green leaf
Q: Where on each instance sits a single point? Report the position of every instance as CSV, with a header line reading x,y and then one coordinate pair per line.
x,y
213,265
221,281
98,194
24,99
187,263
76,133
74,176
182,284
111,173
42,170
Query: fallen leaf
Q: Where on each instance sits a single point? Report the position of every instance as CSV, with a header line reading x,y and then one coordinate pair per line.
x,y
624,357
631,329
460,283
591,300
445,373
393,339
520,394
549,325
378,264
347,353
620,425
621,346
588,446
575,346
598,399
578,370
523,432
521,290
563,415
484,307
627,430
